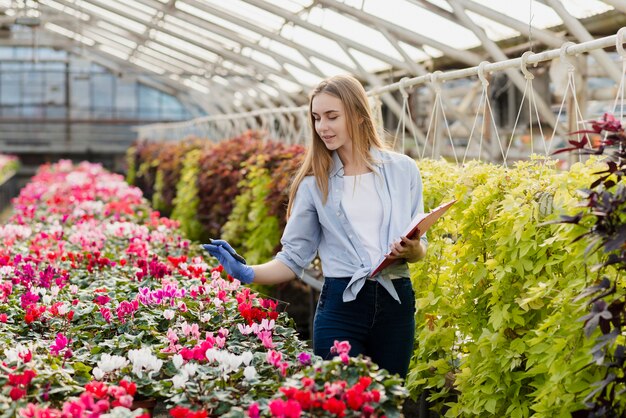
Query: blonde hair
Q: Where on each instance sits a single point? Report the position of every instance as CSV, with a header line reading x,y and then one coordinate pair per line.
x,y
360,126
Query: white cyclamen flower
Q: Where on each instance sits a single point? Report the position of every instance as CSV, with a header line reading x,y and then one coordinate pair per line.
x,y
109,363
143,359
98,374
249,372
180,380
190,369
177,360
168,314
246,357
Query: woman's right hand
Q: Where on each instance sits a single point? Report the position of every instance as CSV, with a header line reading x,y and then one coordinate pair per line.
x,y
222,250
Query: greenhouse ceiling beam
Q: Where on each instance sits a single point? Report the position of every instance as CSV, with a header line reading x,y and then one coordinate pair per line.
x,y
138,39
233,36
582,35
148,57
419,69
617,4
165,77
405,35
297,20
494,50
545,36
259,103
229,55
387,98
304,51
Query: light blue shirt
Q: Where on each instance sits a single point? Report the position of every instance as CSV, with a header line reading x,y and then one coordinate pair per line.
x,y
314,227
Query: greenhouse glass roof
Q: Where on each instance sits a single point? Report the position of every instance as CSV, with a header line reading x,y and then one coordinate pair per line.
x,y
239,52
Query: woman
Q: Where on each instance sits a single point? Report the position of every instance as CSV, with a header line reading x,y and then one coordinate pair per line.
x,y
350,202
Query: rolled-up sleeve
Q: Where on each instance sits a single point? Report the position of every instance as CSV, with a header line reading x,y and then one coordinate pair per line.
x,y
301,236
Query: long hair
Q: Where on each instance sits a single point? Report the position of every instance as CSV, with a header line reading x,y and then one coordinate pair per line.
x,y
360,125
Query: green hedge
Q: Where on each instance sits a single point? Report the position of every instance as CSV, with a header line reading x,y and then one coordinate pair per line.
x,y
497,329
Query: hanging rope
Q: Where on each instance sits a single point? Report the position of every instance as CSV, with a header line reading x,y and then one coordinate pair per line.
x,y
619,47
571,85
434,118
486,106
403,112
532,102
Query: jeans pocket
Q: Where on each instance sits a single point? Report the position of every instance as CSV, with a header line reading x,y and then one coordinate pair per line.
x,y
404,287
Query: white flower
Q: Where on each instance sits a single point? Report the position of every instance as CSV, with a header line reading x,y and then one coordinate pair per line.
x,y
109,363
13,354
97,373
46,299
168,314
249,372
205,317
177,360
6,271
54,290
190,369
246,357
73,289
143,359
63,309
180,380
210,354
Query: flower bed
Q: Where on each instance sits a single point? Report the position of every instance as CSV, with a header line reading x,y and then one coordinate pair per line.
x,y
104,304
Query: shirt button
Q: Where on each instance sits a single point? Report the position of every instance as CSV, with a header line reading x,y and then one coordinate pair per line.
x,y
338,213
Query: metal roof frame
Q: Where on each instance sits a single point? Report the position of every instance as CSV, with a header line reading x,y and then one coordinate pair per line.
x,y
164,51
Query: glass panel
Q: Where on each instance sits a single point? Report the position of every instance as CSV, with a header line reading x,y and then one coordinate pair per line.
x,y
33,88
102,100
54,88
6,52
171,107
56,112
80,95
51,54
126,99
10,112
10,88
149,103
33,111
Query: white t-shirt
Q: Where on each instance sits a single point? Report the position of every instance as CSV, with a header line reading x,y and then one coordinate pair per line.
x,y
364,209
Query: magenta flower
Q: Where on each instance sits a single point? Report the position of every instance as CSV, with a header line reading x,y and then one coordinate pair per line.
x,y
304,358
59,344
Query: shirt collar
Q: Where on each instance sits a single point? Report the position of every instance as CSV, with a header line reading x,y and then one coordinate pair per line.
x,y
337,167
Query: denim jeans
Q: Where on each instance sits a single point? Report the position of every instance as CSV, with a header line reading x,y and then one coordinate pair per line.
x,y
375,324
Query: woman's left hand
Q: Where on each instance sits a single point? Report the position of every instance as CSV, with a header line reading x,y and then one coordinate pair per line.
x,y
410,249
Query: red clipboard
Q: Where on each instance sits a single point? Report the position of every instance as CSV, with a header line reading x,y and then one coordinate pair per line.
x,y
422,223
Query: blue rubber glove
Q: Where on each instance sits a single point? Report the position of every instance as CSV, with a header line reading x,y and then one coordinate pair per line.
x,y
222,250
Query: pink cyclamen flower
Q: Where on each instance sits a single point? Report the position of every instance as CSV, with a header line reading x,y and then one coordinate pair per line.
x,y
266,338
274,357
304,358
253,411
59,344
340,347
